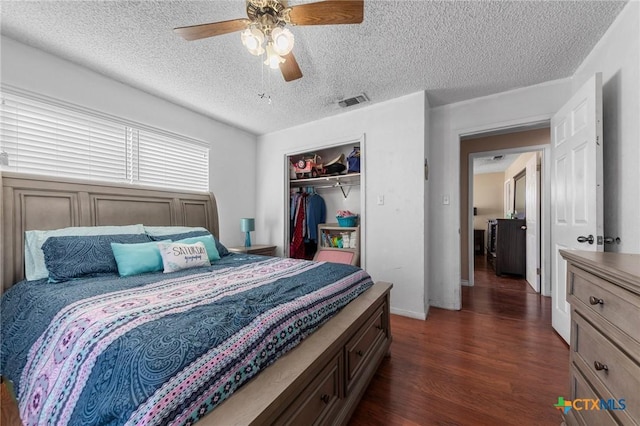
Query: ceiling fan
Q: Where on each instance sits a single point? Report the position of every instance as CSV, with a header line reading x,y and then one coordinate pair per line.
x,y
265,26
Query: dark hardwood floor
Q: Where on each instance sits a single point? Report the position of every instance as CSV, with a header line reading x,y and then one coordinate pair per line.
x,y
495,362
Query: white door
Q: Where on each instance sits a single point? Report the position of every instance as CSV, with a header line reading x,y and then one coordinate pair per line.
x,y
576,188
531,216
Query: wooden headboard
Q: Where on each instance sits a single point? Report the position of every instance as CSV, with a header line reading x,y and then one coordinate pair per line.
x,y
40,202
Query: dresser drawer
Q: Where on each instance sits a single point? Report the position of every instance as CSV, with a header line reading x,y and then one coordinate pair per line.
x,y
613,303
605,365
317,400
583,413
362,345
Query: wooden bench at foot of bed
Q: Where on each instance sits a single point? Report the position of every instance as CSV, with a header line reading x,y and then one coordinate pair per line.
x,y
322,381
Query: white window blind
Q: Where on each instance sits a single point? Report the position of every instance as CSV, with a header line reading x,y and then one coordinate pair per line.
x,y
45,139
52,138
161,161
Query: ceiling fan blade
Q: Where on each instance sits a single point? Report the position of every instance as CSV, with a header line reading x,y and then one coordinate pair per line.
x,y
328,12
290,69
196,32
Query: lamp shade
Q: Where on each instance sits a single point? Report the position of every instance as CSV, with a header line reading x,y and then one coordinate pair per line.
x,y
252,40
273,59
247,224
282,40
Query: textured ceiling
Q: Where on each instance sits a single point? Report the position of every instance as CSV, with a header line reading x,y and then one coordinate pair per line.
x,y
453,50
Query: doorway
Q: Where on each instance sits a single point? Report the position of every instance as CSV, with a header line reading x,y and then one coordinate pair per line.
x,y
505,191
532,138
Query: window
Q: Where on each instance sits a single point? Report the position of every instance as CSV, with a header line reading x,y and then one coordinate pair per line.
x,y
44,136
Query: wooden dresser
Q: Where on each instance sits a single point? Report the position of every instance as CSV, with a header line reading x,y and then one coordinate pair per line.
x,y
604,292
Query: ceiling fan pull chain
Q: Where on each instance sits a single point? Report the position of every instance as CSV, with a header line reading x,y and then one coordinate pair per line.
x,y
269,74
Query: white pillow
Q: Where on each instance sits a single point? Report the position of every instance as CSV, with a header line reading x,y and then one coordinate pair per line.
x,y
34,266
160,231
177,256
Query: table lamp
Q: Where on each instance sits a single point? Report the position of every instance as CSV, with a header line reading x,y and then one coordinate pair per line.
x,y
247,225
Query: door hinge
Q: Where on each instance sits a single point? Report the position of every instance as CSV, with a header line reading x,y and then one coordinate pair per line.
x,y
537,271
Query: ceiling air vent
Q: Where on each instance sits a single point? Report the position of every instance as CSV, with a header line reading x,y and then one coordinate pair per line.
x,y
497,157
353,101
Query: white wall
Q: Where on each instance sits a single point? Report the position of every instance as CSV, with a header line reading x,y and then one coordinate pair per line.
x,y
503,110
617,56
393,158
488,198
232,175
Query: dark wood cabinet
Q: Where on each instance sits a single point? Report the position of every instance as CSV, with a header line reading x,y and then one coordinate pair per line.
x,y
478,241
491,243
506,246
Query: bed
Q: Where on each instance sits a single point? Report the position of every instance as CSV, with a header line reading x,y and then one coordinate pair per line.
x,y
315,374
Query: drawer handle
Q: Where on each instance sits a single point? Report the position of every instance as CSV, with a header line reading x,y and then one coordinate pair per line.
x,y
325,398
595,301
600,366
360,353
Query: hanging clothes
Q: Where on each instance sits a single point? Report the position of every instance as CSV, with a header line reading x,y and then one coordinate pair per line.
x,y
307,211
296,248
316,214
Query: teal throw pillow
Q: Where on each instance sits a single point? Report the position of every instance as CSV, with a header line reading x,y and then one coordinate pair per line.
x,y
134,259
209,244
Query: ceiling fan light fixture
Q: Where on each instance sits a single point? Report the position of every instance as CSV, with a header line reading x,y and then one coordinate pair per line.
x,y
263,30
252,39
273,59
282,40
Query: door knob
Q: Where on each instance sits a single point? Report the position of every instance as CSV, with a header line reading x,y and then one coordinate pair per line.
x,y
523,227
588,239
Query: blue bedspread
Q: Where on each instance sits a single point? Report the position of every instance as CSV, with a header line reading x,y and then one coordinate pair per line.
x,y
161,348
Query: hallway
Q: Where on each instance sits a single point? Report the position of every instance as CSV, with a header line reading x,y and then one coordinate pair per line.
x,y
495,362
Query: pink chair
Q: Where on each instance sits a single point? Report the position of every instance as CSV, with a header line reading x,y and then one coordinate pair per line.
x,y
337,256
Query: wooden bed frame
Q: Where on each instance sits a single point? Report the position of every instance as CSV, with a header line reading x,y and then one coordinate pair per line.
x,y
319,382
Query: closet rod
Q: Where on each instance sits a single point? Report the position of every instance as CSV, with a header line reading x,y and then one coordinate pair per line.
x,y
341,186
337,185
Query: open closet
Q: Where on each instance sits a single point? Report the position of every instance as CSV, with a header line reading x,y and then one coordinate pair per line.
x,y
322,184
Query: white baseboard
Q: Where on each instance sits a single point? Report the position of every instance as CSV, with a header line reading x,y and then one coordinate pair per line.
x,y
450,305
410,314
465,282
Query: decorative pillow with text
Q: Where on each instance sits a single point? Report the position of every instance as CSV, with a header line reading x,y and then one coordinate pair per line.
x,y
177,256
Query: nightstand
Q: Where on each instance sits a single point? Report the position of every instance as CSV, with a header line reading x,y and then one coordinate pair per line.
x,y
263,250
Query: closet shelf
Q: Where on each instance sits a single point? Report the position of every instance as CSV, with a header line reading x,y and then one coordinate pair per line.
x,y
351,178
339,181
